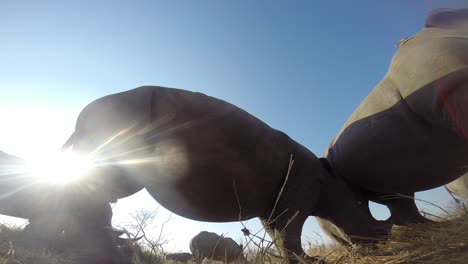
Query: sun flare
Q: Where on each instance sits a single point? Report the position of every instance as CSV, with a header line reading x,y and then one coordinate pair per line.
x,y
58,168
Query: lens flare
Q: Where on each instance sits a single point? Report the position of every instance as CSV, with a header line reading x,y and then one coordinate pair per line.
x,y
58,168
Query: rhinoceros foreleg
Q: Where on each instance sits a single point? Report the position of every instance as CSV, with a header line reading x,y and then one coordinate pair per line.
x,y
286,234
45,231
90,231
403,210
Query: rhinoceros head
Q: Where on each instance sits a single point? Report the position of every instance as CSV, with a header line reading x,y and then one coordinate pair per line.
x,y
344,211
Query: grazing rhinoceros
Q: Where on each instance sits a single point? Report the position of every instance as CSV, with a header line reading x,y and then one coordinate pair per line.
x,y
179,257
208,160
459,187
215,247
411,132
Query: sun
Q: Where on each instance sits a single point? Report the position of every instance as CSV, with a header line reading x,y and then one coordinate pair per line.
x,y
58,167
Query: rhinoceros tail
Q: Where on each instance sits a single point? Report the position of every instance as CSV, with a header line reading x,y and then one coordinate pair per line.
x,y
69,142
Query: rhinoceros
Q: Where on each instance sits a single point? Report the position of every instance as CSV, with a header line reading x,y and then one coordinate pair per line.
x,y
179,257
215,247
208,160
410,133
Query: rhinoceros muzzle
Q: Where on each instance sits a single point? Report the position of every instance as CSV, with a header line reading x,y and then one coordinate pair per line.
x,y
379,230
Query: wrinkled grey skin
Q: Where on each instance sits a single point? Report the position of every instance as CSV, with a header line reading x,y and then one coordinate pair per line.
x,y
459,187
215,247
207,160
411,132
179,257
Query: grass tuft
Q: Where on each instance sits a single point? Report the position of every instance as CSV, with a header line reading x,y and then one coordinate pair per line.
x,y
431,243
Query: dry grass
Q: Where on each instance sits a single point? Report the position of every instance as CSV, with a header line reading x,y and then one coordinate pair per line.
x,y
15,250
440,242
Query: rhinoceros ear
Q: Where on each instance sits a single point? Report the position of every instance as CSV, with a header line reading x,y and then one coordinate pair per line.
x,y
446,17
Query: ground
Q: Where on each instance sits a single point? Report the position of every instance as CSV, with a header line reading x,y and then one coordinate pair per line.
x,y
444,241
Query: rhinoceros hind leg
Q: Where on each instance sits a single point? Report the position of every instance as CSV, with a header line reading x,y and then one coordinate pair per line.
x,y
404,211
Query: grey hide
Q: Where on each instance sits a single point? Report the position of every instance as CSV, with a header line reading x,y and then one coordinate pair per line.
x,y
215,247
183,257
410,133
208,160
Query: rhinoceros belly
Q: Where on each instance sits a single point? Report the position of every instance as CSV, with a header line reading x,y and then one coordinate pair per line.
x,y
396,150
198,156
214,186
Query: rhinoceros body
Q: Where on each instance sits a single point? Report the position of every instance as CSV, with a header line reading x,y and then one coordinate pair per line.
x,y
208,160
179,257
410,133
215,247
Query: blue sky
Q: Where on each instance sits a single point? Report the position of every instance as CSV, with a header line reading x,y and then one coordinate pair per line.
x,y
301,66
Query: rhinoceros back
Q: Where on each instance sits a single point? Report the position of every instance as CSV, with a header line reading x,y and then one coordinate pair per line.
x,y
212,246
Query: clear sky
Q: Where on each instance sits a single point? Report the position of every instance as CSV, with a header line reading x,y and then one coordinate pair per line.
x,y
300,66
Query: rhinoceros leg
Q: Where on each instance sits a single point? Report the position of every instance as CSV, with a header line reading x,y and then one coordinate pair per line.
x,y
45,231
403,210
198,258
286,234
90,231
